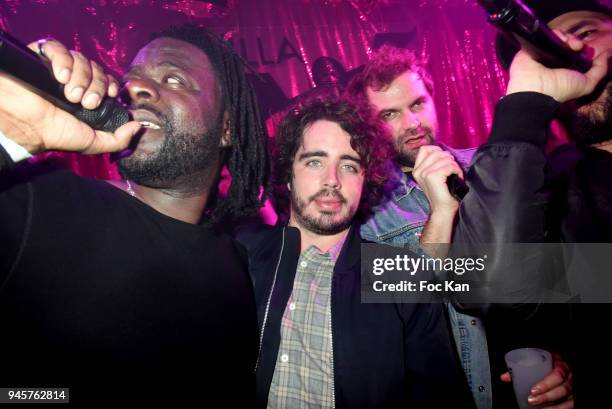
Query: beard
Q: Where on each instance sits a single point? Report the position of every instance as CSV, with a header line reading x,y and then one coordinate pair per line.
x,y
324,223
591,122
183,152
406,156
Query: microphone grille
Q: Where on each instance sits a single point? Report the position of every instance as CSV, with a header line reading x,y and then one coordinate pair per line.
x,y
109,116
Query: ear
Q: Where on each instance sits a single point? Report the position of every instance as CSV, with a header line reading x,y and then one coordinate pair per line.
x,y
226,136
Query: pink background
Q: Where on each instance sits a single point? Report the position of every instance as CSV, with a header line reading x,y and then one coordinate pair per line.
x,y
284,38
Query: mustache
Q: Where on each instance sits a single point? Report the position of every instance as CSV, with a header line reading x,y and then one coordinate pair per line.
x,y
411,133
150,108
328,192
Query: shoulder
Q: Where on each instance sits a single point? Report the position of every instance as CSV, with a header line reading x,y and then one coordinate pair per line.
x,y
42,175
564,153
462,156
249,232
562,160
254,236
47,172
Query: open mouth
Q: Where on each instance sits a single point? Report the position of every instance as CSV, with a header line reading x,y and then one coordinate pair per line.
x,y
150,125
147,119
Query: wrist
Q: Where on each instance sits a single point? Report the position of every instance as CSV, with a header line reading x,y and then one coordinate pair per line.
x,y
526,84
444,214
523,117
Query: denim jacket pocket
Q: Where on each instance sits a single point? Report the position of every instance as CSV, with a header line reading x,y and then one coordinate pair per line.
x,y
408,235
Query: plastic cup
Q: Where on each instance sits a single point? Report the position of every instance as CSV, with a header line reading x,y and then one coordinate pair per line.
x,y
527,366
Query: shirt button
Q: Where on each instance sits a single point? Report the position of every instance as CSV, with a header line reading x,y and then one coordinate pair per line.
x,y
474,322
284,358
481,388
292,306
304,264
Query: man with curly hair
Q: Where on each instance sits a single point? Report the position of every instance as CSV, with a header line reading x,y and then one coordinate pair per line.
x,y
422,211
320,346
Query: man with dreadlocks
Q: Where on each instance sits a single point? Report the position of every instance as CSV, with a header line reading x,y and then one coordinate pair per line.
x,y
126,290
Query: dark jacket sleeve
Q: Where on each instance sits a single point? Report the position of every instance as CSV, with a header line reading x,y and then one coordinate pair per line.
x,y
5,160
507,202
16,207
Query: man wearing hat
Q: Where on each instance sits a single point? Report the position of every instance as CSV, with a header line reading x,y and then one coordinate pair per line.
x,y
519,195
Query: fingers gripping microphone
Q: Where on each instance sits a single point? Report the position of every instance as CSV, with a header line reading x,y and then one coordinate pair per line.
x,y
27,67
456,186
519,24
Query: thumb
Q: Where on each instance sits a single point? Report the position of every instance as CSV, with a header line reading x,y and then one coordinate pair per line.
x,y
597,71
113,142
506,377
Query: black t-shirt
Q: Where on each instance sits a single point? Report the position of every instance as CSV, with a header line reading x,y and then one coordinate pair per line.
x,y
101,293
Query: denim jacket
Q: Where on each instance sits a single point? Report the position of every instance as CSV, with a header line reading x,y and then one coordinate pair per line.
x,y
399,222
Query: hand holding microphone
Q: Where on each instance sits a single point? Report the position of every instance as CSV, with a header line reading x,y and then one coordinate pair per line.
x,y
527,74
37,124
550,62
433,168
519,24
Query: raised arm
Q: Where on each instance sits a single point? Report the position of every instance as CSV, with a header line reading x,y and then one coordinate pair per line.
x,y
507,201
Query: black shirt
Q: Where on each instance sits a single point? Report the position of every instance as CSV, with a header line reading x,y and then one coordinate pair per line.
x,y
101,293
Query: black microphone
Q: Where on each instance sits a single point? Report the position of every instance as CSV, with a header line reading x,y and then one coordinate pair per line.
x,y
457,187
519,24
35,73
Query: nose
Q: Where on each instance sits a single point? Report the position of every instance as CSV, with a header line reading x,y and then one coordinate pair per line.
x,y
411,121
332,180
140,90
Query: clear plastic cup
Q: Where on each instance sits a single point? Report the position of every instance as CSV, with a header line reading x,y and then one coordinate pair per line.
x,y
527,366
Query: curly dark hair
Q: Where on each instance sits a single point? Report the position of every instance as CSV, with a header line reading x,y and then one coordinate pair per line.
x,y
382,69
369,138
247,159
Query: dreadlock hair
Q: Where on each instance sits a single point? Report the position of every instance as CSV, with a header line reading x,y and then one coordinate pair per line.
x,y
383,68
247,159
369,138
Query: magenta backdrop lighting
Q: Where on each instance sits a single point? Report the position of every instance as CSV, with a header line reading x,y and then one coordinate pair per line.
x,y
283,39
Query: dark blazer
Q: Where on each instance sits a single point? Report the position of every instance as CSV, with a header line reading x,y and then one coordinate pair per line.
x,y
384,355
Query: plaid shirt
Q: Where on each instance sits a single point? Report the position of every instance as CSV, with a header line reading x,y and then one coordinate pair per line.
x,y
304,373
